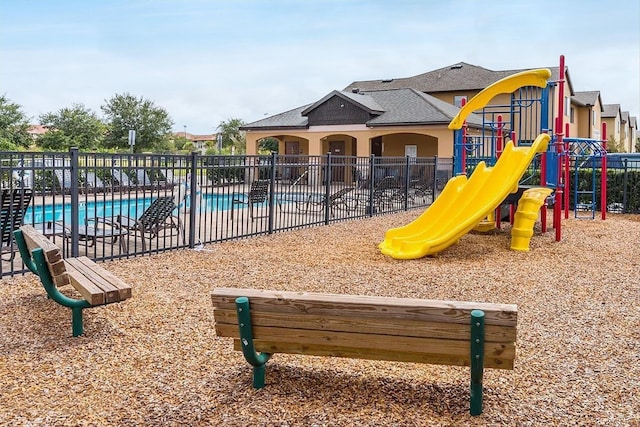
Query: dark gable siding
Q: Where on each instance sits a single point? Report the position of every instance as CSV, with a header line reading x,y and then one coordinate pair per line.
x,y
337,111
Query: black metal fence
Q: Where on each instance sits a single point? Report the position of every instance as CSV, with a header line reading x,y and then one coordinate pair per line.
x,y
109,206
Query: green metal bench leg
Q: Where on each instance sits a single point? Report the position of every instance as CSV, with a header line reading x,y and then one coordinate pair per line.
x,y
257,360
477,361
38,265
258,376
76,321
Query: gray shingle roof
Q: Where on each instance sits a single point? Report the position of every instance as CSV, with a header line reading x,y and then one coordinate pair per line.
x,y
365,102
586,97
610,110
409,106
292,119
625,116
456,77
395,107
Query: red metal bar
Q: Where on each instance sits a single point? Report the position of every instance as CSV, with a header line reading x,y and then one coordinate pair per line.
x,y
463,159
567,181
499,139
543,169
559,146
513,138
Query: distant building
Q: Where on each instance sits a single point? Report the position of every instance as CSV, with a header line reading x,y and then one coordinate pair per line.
x,y
36,130
199,142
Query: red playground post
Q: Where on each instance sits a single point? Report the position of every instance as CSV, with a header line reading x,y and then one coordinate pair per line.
x,y
557,208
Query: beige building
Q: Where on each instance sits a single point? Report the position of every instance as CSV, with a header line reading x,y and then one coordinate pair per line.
x,y
392,117
612,116
585,116
634,134
200,142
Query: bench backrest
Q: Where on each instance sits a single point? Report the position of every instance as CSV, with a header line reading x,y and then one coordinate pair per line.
x,y
383,328
96,285
52,254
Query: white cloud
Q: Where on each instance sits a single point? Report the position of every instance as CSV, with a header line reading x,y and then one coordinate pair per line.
x,y
206,64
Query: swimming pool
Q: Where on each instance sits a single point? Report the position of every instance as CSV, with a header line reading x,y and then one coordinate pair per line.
x,y
128,207
110,208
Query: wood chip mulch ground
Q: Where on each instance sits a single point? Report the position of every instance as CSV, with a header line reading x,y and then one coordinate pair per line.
x,y
155,359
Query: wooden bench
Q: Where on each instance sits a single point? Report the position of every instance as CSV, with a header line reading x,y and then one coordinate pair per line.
x,y
95,284
479,335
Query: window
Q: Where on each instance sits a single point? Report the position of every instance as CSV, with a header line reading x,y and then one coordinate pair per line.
x,y
572,115
457,101
411,151
567,105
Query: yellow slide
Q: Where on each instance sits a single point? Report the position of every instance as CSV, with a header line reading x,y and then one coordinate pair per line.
x,y
462,204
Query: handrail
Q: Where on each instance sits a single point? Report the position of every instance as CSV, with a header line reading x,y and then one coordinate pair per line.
x,y
508,84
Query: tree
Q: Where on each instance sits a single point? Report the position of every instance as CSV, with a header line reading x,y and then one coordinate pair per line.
x,y
76,126
232,136
268,145
151,123
14,126
638,145
180,142
613,145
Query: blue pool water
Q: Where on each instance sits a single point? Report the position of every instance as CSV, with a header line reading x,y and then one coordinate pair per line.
x,y
110,208
128,207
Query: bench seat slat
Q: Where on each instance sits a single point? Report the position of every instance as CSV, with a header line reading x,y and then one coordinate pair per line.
x,y
493,333
371,354
365,342
373,306
84,266
93,269
91,292
81,275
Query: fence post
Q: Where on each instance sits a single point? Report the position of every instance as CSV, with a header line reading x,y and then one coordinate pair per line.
x,y
327,189
272,185
435,179
406,184
372,183
193,194
625,182
75,200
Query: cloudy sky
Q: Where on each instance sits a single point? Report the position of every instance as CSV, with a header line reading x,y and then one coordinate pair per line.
x,y
208,61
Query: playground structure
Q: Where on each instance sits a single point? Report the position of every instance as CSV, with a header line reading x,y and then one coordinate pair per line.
x,y
519,117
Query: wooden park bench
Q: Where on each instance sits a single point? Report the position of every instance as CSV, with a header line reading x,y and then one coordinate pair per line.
x,y
479,335
95,284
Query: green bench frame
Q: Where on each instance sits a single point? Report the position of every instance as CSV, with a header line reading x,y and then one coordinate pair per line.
x,y
478,335
95,284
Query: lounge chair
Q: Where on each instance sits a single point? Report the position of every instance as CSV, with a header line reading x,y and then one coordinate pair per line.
x,y
387,193
420,190
64,180
258,194
87,233
156,218
13,205
123,180
336,200
93,184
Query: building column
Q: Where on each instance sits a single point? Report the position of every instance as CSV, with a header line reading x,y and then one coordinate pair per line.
x,y
252,143
363,146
